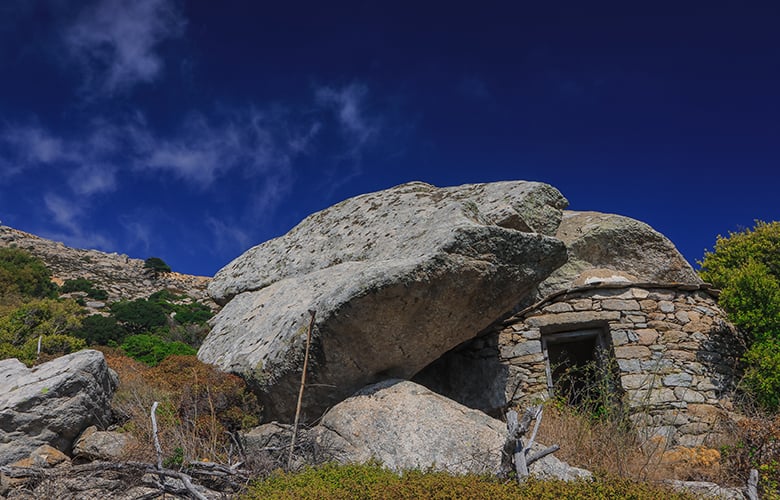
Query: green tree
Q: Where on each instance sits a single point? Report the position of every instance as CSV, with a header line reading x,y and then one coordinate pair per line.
x,y
157,265
101,330
140,315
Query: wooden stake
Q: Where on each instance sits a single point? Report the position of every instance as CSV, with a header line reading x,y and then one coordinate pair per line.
x,y
300,393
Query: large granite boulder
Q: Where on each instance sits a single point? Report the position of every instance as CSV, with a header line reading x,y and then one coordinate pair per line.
x,y
609,247
406,426
52,403
396,278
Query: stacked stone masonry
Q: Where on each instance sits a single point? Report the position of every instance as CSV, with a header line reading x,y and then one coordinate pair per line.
x,y
677,356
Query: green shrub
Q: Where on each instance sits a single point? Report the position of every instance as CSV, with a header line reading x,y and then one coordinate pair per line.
x,y
761,244
752,299
86,286
157,265
25,275
151,349
192,313
139,315
51,346
762,375
101,330
746,266
39,317
371,481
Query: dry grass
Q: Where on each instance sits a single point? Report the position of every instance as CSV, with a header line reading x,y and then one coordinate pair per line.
x,y
610,446
200,409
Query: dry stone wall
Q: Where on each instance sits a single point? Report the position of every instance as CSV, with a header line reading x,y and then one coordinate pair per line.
x,y
677,355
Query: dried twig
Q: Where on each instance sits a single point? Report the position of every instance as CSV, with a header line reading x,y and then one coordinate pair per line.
x,y
157,446
300,393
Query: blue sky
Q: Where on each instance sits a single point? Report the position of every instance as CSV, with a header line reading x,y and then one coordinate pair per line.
x,y
194,130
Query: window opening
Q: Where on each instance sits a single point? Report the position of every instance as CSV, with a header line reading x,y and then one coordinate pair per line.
x,y
578,367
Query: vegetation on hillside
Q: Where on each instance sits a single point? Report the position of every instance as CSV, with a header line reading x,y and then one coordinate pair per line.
x,y
148,329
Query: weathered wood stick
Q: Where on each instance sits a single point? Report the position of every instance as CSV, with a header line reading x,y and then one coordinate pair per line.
x,y
300,393
157,446
541,454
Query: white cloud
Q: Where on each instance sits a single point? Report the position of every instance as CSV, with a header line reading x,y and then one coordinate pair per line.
x,y
92,179
349,105
116,41
228,236
64,212
34,145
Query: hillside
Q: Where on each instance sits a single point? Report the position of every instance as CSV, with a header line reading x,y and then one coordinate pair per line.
x,y
121,276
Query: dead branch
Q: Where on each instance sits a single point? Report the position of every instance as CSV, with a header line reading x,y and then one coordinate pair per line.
x,y
300,393
514,447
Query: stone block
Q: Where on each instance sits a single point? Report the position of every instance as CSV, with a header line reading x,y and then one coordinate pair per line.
x,y
705,413
674,336
682,317
646,336
629,365
681,355
620,305
582,304
558,307
522,349
689,395
533,334
619,337
678,380
660,295
648,305
639,293
666,306
638,381
572,318
632,352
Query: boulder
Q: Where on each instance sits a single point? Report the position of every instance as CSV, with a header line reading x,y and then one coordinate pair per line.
x,y
397,278
406,426
94,444
52,403
608,247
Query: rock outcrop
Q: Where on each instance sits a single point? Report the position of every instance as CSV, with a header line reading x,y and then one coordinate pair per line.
x,y
614,248
52,403
396,278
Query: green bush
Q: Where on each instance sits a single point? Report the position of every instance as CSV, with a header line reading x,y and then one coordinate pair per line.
x,y
157,265
51,346
746,266
371,481
762,375
39,317
101,330
25,275
151,349
86,286
139,315
752,299
192,313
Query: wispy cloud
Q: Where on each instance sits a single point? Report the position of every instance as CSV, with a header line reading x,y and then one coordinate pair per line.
x,y
116,41
228,236
34,145
349,104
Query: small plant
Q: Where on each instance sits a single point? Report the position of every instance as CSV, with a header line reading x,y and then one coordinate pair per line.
x,y
151,349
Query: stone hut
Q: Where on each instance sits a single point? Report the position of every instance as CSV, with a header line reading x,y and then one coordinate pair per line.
x,y
667,348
